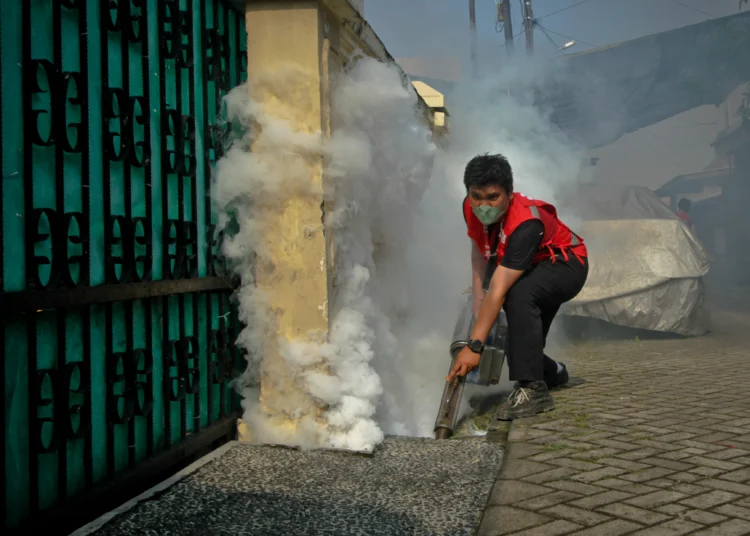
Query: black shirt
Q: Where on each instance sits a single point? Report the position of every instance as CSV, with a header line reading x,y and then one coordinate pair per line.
x,y
523,244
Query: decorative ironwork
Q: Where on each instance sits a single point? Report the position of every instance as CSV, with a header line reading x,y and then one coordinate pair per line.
x,y
120,293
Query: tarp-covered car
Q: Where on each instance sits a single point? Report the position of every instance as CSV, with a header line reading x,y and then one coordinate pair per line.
x,y
646,267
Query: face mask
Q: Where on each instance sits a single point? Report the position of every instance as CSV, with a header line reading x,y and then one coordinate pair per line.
x,y
487,214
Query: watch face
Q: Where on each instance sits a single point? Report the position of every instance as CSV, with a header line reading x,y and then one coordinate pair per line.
x,y
475,346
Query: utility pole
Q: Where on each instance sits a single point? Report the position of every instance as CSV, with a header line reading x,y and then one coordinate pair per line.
x,y
504,16
528,26
473,21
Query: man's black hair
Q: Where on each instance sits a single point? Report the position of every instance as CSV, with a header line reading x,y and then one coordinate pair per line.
x,y
489,169
684,205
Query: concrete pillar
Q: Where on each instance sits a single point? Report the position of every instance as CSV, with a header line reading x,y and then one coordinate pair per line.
x,y
287,37
313,38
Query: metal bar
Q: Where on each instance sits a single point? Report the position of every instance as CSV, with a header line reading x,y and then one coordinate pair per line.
x,y
59,386
85,281
85,507
30,301
3,501
129,312
28,192
208,143
222,386
149,199
192,176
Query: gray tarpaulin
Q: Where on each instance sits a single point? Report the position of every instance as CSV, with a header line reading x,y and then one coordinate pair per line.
x,y
646,266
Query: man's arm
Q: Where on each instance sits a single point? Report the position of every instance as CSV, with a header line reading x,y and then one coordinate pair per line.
x,y
522,246
478,269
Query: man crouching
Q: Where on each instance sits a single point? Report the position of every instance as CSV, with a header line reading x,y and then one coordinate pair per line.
x,y
538,264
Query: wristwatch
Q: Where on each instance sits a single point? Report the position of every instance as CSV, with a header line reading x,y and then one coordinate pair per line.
x,y
476,346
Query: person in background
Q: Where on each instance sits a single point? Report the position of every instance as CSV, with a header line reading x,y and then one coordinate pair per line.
x,y
538,263
683,212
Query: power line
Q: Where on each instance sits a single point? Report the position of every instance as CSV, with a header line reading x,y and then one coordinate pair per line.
x,y
563,9
549,38
693,8
566,36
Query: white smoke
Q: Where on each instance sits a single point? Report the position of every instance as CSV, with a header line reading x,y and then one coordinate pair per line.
x,y
401,252
377,163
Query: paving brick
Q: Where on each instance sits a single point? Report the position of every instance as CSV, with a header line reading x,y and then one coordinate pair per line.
x,y
594,501
685,477
733,487
552,456
591,477
498,520
550,499
729,454
557,473
647,474
663,483
689,489
638,454
740,476
678,455
639,515
704,518
713,463
733,527
733,510
595,454
668,464
675,527
513,469
580,465
507,492
576,487
576,515
656,498
624,485
709,500
706,471
556,528
616,527
671,509
624,464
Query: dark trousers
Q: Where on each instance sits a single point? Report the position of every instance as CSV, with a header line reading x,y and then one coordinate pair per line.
x,y
530,306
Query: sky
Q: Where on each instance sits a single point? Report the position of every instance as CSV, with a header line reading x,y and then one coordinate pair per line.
x,y
649,157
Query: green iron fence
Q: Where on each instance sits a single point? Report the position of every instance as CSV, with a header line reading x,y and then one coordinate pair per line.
x,y
116,317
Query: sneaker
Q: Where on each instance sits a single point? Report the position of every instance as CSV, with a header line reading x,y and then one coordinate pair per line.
x,y
526,402
560,379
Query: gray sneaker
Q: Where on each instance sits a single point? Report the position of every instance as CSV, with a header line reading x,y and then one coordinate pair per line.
x,y
525,402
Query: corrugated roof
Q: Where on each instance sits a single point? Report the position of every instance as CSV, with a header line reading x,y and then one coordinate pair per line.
x,y
599,95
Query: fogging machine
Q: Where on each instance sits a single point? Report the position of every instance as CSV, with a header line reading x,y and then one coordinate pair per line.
x,y
486,373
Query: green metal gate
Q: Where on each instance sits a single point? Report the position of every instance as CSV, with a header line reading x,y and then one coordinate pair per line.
x,y
116,318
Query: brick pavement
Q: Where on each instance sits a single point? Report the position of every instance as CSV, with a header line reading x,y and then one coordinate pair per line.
x,y
655,442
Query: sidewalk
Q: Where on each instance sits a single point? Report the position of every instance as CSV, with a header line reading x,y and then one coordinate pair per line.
x,y
655,442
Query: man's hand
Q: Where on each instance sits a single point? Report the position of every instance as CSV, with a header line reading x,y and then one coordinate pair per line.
x,y
466,361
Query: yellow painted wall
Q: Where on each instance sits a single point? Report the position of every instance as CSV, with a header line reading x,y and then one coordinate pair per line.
x,y
284,51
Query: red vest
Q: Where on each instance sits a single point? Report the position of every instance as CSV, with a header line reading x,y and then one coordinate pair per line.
x,y
557,236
